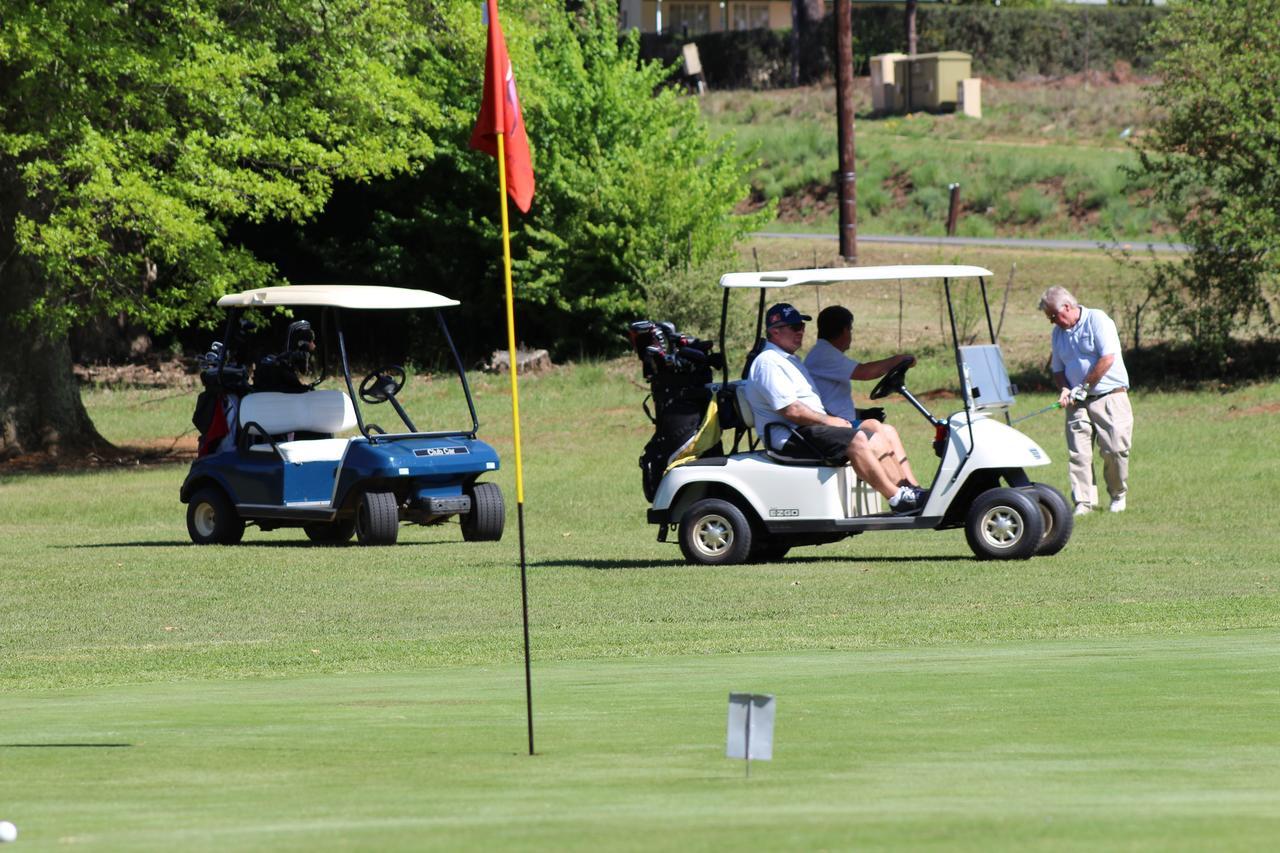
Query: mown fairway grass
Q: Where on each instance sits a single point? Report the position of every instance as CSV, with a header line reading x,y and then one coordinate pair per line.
x,y
277,695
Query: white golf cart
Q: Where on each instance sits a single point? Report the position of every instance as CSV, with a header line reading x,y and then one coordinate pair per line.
x,y
755,504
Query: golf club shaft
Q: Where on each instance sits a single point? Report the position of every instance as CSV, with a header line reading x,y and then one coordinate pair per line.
x,y
1041,412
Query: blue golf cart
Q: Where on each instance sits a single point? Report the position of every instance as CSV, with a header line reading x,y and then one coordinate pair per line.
x,y
278,451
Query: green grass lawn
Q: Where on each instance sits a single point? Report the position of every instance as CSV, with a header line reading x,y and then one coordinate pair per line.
x,y
277,695
1043,161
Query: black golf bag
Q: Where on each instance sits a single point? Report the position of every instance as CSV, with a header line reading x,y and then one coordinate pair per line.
x,y
679,369
217,405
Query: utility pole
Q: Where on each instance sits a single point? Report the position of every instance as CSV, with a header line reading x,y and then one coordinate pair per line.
x,y
911,27
846,177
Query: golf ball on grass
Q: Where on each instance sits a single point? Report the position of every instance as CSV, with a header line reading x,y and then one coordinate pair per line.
x,y
8,832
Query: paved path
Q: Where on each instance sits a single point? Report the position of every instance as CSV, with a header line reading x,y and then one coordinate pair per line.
x,y
1002,242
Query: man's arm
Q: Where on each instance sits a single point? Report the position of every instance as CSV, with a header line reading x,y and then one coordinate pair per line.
x,y
1100,368
801,415
876,369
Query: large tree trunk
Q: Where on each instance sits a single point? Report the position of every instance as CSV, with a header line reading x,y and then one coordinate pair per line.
x,y
40,406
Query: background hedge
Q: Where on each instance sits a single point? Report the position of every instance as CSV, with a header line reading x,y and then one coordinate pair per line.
x,y
1005,44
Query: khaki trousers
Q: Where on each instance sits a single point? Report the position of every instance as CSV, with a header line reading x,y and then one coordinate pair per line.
x,y
1109,421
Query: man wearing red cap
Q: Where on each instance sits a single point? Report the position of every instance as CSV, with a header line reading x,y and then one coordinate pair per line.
x,y
782,392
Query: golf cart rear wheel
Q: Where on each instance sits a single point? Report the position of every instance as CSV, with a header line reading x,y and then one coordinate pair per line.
x,y
488,514
377,518
212,520
1004,524
1058,520
330,532
715,532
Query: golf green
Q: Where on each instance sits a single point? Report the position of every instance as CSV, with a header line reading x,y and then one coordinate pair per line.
x,y
1142,743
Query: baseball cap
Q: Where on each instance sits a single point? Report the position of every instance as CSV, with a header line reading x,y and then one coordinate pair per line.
x,y
784,314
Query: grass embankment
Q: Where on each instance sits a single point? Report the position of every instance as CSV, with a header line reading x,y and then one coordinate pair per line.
x,y
276,695
1043,161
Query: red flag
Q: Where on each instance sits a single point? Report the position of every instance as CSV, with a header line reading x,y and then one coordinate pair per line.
x,y
500,113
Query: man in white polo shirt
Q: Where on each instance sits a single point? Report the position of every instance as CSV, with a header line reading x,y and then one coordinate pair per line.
x,y
782,392
1093,384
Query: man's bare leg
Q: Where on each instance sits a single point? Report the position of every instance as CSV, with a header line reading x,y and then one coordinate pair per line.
x,y
867,465
887,441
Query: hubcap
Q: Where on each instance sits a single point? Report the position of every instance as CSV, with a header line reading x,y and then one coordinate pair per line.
x,y
712,535
205,519
1002,527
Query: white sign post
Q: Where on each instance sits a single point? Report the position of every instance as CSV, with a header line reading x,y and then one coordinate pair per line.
x,y
750,727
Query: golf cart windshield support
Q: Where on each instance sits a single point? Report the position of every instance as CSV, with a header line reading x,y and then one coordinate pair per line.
x,y
462,375
404,416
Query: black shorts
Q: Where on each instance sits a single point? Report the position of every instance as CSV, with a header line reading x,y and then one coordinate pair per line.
x,y
829,441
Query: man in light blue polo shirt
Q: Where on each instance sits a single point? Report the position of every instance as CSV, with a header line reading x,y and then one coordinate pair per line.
x,y
831,370
1088,369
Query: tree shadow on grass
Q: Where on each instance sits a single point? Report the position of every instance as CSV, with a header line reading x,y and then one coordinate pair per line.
x,y
286,543
65,745
611,565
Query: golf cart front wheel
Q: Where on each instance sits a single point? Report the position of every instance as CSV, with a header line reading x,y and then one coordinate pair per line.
x,y
1058,520
715,532
377,518
488,514
1004,524
212,520
330,532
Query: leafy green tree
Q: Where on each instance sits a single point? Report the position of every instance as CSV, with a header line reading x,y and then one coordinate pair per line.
x,y
632,191
135,133
1215,163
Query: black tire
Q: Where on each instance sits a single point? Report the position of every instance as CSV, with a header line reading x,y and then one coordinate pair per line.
x,y
1057,517
488,514
330,532
1004,524
715,533
377,518
212,520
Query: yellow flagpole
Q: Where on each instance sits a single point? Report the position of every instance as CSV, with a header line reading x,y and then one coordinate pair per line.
x,y
515,420
511,316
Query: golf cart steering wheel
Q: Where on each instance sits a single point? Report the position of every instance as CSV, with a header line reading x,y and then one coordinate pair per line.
x,y
383,384
893,380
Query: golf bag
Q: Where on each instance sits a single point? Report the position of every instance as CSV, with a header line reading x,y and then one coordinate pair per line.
x,y
218,405
679,369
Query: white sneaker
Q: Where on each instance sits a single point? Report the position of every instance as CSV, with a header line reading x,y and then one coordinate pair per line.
x,y
1117,504
1083,509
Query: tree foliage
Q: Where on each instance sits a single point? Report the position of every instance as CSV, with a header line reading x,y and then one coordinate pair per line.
x,y
631,188
133,133
1215,163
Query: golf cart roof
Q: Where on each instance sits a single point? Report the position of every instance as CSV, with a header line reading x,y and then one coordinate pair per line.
x,y
790,278
363,296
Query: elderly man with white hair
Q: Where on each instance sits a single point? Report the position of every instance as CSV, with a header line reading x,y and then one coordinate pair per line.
x,y
1093,384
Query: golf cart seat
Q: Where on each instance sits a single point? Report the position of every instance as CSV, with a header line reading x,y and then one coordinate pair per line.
x,y
746,417
268,415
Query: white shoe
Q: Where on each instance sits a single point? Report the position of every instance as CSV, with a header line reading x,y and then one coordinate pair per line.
x,y
1117,504
1083,509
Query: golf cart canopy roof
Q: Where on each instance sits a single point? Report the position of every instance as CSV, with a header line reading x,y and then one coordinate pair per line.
x,y
363,296
790,278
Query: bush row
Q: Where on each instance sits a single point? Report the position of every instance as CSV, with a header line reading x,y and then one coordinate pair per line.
x,y
1005,43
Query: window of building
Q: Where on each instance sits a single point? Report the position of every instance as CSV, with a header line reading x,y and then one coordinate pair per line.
x,y
750,16
687,18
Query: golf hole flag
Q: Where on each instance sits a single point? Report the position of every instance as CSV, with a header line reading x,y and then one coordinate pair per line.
x,y
500,113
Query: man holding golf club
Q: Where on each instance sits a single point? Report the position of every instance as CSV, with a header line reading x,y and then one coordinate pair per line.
x,y
1089,370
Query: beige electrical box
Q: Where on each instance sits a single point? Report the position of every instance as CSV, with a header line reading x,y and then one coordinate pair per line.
x,y
969,97
882,81
927,81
